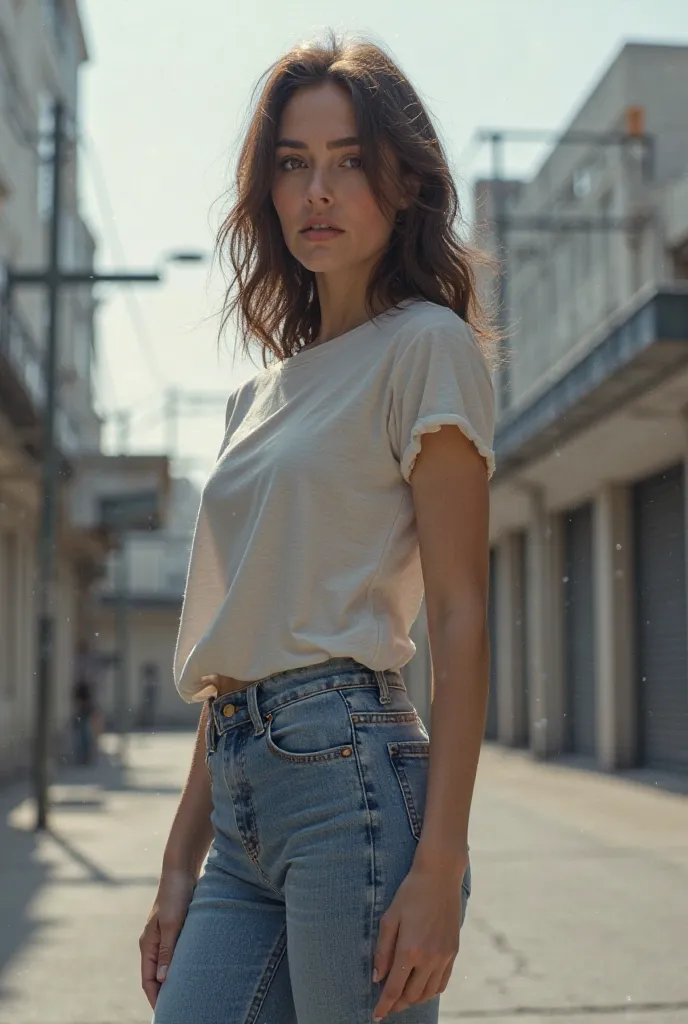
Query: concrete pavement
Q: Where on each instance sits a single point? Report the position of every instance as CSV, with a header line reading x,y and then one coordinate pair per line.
x,y
579,908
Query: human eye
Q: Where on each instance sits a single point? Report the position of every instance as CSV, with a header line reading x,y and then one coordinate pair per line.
x,y
289,163
354,161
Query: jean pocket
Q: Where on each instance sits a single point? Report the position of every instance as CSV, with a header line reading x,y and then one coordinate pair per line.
x,y
311,730
410,760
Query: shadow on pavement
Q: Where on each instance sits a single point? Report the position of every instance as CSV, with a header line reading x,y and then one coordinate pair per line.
x,y
21,877
27,857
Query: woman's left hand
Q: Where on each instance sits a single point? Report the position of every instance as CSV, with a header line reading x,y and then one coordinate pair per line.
x,y
418,939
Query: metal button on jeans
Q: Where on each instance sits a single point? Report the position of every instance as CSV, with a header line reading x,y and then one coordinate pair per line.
x,y
228,710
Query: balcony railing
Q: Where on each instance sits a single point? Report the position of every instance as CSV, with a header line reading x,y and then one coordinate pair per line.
x,y
156,567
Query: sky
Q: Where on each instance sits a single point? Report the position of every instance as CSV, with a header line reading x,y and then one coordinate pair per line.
x,y
165,95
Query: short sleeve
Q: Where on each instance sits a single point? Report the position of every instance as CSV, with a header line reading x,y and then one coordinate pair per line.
x,y
441,377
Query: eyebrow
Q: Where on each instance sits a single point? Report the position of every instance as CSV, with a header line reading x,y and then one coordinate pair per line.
x,y
350,140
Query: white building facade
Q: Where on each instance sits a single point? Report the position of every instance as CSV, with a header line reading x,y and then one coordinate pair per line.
x,y
588,519
148,596
42,49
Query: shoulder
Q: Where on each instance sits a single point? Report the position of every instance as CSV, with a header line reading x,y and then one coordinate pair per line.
x,y
242,396
429,331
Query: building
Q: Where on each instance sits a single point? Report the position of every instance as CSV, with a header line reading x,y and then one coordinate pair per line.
x,y
42,49
149,597
588,525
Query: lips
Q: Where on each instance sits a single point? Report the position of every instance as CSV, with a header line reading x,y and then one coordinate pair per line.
x,y
321,234
319,224
319,229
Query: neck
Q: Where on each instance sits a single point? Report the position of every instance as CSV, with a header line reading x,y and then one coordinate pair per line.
x,y
343,304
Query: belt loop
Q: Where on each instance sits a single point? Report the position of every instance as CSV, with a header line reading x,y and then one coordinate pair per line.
x,y
253,709
210,728
384,687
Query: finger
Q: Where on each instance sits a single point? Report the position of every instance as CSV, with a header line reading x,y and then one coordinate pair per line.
x,y
148,945
418,981
384,951
169,933
433,984
394,988
446,975
151,989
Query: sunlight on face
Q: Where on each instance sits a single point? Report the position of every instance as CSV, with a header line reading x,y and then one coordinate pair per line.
x,y
331,222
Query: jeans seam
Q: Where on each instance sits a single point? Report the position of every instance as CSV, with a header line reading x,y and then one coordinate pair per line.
x,y
371,829
268,974
254,824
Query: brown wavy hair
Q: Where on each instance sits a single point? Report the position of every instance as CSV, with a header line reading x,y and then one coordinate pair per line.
x,y
271,295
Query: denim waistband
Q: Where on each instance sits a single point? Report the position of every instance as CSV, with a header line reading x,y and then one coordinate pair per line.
x,y
249,704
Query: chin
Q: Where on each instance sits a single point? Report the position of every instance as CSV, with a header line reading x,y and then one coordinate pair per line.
x,y
320,264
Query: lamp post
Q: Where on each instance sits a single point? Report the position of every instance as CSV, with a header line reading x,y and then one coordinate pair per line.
x,y
53,279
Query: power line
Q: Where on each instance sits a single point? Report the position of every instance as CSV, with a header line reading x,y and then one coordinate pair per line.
x,y
133,307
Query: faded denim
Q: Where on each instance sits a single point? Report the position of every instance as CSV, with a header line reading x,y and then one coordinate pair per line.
x,y
318,778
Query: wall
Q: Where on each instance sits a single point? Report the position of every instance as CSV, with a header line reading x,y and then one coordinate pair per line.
x,y
152,638
566,287
18,644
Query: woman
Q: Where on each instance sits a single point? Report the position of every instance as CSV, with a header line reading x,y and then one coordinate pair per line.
x,y
338,872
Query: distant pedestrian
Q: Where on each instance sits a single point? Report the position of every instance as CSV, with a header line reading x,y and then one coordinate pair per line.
x,y
83,702
149,695
352,476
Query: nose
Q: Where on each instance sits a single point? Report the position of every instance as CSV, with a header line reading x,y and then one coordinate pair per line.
x,y
319,189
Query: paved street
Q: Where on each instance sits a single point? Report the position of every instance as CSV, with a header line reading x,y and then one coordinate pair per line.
x,y
579,912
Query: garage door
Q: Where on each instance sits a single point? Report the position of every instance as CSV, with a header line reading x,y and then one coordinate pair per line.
x,y
579,637
662,659
491,724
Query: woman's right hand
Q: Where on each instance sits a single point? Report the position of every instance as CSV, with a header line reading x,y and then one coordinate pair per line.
x,y
162,928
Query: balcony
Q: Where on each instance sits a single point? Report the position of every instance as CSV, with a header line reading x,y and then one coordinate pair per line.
x,y
22,387
156,571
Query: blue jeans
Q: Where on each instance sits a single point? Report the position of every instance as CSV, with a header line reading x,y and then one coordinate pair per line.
x,y
318,781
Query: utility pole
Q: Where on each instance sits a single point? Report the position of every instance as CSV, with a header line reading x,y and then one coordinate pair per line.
x,y
52,278
122,709
46,544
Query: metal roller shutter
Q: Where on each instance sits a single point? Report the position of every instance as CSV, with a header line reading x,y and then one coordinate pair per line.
x,y
491,723
579,626
662,656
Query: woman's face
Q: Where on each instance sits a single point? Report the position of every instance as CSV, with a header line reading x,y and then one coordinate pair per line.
x,y
318,180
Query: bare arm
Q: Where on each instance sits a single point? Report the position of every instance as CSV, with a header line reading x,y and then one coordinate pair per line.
x,y
192,831
451,496
419,931
186,849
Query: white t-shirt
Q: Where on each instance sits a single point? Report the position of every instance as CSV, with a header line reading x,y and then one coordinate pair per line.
x,y
305,545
